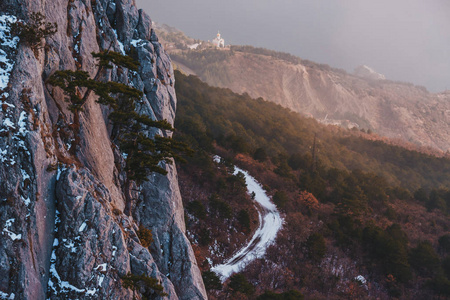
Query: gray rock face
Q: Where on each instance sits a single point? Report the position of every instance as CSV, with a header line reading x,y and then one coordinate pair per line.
x,y
63,233
93,247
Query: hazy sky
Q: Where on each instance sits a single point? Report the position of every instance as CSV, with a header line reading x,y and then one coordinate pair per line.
x,y
407,40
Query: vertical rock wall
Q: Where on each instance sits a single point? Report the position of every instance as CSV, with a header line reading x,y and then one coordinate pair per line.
x,y
63,233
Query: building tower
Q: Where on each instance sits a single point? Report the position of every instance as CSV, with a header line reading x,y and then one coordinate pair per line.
x,y
218,41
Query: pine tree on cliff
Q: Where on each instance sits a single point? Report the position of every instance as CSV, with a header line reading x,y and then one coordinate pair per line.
x,y
142,153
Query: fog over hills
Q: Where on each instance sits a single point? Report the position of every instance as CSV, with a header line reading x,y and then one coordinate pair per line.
x,y
404,40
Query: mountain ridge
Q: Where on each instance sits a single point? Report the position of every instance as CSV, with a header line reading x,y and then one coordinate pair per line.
x,y
392,109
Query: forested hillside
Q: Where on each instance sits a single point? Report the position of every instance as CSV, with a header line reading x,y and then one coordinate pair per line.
x,y
364,219
244,125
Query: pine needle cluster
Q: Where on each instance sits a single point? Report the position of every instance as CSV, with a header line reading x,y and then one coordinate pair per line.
x,y
148,287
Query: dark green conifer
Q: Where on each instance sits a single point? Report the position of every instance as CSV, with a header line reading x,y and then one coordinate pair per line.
x,y
107,58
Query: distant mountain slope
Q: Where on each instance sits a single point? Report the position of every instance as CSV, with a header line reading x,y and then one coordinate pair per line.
x,y
393,109
349,231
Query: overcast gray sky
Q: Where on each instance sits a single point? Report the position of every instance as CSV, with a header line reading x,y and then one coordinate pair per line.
x,y
407,40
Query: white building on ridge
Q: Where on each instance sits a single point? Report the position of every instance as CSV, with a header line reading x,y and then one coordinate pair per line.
x,y
218,41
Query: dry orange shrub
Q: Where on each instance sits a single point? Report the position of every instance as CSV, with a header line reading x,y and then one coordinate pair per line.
x,y
308,200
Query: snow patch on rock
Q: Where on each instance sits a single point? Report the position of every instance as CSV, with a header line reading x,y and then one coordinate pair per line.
x,y
82,227
5,296
6,41
121,47
138,43
7,230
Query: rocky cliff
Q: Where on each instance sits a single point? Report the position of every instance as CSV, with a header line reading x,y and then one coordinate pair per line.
x,y
64,234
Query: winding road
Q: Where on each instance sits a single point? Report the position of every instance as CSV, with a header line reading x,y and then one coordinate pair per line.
x,y
270,222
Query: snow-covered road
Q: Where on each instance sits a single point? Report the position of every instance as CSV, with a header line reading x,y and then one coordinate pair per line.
x,y
270,222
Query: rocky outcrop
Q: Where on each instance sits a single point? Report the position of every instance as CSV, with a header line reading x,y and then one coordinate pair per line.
x,y
64,235
99,244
